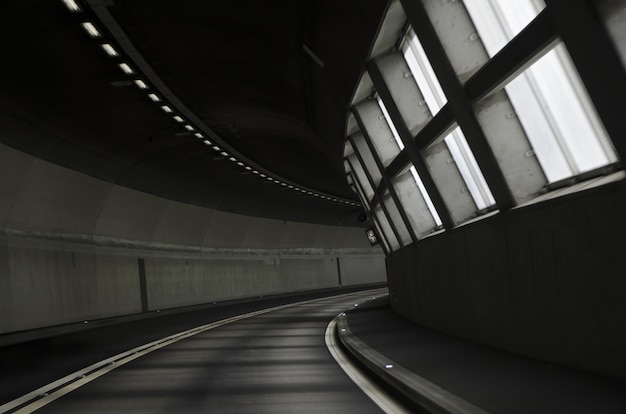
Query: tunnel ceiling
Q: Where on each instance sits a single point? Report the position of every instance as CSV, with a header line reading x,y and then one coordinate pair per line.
x,y
267,81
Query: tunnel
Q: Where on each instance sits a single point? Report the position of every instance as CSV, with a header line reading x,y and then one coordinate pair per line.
x,y
313,206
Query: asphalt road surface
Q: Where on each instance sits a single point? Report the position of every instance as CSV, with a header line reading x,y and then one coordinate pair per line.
x,y
274,362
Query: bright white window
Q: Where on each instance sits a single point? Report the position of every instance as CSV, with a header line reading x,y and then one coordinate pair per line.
x,y
435,99
549,98
423,73
416,177
499,21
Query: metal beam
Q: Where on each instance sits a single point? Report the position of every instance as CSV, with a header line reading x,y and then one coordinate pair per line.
x,y
459,102
410,148
597,61
377,196
398,164
383,172
535,40
438,127
385,241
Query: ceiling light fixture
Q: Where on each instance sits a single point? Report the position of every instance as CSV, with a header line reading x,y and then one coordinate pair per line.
x,y
91,29
141,84
126,69
109,49
72,6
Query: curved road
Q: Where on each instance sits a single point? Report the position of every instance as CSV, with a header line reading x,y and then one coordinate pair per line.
x,y
275,362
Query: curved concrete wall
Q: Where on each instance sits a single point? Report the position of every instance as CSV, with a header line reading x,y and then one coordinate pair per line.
x,y
545,280
73,247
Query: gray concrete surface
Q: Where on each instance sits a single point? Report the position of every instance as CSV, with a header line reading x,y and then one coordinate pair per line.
x,y
70,247
448,374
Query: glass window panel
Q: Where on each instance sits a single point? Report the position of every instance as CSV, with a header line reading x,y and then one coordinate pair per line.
x,y
424,193
499,21
468,167
549,98
456,142
423,72
418,180
417,211
378,131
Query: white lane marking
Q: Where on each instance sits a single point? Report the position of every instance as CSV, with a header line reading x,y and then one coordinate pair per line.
x,y
369,387
48,393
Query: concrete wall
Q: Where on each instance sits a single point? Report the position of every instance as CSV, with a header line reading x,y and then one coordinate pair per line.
x,y
75,248
545,280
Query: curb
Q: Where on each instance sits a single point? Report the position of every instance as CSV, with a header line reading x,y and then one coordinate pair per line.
x,y
416,389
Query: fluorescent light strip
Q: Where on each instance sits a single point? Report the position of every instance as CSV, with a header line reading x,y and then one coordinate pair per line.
x,y
141,84
216,148
72,6
110,50
126,69
91,29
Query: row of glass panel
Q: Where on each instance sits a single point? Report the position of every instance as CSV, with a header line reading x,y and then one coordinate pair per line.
x,y
543,129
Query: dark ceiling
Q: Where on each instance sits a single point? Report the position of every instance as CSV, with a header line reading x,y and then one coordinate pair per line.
x,y
269,82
